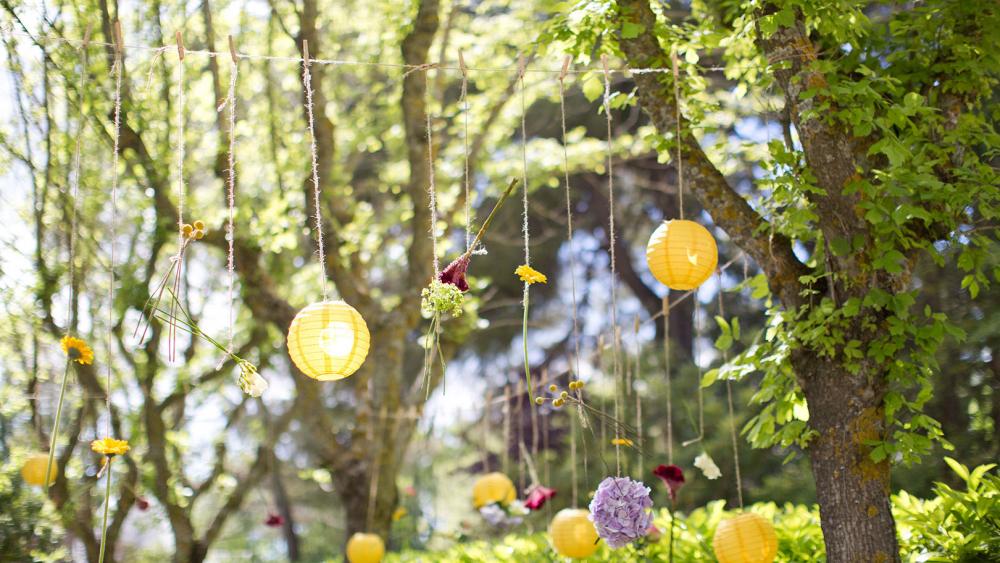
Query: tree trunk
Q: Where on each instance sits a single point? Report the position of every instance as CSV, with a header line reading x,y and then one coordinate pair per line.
x,y
845,410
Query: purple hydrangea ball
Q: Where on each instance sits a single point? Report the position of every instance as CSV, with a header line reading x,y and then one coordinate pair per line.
x,y
620,511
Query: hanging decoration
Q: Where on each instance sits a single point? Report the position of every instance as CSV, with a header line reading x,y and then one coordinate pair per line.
x,y
621,511
365,548
34,469
525,272
707,465
78,351
673,477
747,538
328,340
493,488
573,534
445,296
681,254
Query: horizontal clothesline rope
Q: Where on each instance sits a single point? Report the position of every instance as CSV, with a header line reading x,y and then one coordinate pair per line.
x,y
450,66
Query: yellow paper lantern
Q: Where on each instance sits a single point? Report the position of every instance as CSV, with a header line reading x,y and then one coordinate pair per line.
x,y
328,340
682,254
493,487
747,538
33,470
573,534
365,548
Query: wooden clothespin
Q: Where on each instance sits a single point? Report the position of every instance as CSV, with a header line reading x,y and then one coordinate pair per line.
x,y
673,60
232,51
565,67
604,62
305,52
119,38
522,65
86,36
461,65
180,45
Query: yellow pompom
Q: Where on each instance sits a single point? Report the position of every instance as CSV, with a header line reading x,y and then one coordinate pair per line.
x,y
747,538
365,548
539,400
199,225
186,229
682,254
328,340
33,470
573,534
491,488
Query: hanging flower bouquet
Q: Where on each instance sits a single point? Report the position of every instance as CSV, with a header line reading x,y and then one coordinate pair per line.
x,y
445,295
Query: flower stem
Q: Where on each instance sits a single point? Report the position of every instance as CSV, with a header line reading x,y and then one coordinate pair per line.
x,y
671,549
489,218
107,505
524,334
55,427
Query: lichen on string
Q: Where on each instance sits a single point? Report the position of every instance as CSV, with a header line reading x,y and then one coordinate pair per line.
x,y
320,249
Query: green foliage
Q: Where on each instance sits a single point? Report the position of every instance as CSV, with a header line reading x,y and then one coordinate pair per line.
x,y
957,525
27,525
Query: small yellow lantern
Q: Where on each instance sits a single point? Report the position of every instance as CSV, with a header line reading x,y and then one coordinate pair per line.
x,y
33,470
365,548
573,534
491,488
682,254
328,340
747,538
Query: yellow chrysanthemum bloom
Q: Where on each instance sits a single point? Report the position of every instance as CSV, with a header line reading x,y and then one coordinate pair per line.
x,y
530,275
621,442
77,350
110,446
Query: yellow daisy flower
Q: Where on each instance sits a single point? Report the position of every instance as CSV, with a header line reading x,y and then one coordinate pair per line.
x,y
77,350
110,446
621,442
530,275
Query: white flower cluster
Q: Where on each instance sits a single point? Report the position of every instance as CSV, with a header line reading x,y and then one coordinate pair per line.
x,y
707,466
497,515
250,381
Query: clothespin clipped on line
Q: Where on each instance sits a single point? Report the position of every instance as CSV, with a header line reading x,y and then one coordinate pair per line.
x,y
232,51
119,39
305,52
180,45
461,65
522,65
565,67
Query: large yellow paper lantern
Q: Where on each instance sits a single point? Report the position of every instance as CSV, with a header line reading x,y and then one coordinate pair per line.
x,y
573,534
491,488
365,548
328,340
33,470
682,254
747,538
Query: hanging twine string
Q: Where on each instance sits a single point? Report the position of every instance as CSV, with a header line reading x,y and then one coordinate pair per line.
x,y
572,460
320,249
231,193
484,444
732,412
667,372
432,191
701,395
118,69
465,143
181,147
522,64
569,215
520,436
616,343
680,144
506,430
638,396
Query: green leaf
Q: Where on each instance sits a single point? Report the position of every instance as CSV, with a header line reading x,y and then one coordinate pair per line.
x,y
709,378
632,30
958,468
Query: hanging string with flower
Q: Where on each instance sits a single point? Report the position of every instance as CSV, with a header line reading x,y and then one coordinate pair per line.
x,y
445,295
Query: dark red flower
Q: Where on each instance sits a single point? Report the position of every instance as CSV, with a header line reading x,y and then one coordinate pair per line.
x,y
537,496
142,503
672,476
274,520
454,273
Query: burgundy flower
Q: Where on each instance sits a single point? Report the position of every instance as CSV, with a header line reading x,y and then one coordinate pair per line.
x,y
274,520
537,496
672,476
142,503
454,273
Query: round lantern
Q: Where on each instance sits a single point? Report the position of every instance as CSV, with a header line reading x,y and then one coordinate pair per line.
x,y
682,254
33,470
365,548
573,534
328,340
747,538
491,488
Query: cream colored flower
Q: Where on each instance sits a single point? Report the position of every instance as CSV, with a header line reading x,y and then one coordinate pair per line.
x,y
250,381
707,466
